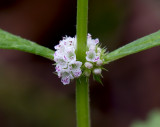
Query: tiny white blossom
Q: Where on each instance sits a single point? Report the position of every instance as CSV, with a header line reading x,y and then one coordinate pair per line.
x,y
98,54
91,56
66,76
96,40
88,65
75,65
90,41
99,50
77,73
92,47
65,80
97,71
67,67
70,55
99,62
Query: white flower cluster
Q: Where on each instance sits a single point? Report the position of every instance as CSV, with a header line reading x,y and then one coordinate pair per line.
x,y
93,57
68,68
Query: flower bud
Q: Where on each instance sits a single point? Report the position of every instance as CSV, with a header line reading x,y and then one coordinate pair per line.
x,y
87,73
97,71
99,63
98,50
98,54
88,65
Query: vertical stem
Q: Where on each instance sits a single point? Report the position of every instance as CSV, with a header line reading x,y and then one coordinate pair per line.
x,y
82,23
82,102
82,85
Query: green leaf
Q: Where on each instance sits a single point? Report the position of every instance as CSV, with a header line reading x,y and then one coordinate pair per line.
x,y
141,44
97,78
10,41
153,120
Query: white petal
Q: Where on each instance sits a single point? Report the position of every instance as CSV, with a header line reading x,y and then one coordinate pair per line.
x,y
99,62
92,47
77,73
91,55
65,80
88,65
58,68
96,58
70,54
97,71
89,35
67,73
99,50
96,40
74,65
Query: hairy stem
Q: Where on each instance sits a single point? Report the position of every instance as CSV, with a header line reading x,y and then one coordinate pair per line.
x,y
82,102
82,85
82,20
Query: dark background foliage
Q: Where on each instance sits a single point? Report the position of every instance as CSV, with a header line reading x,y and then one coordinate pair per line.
x,y
32,96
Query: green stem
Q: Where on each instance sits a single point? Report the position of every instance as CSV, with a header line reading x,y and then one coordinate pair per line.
x,y
82,85
82,102
82,20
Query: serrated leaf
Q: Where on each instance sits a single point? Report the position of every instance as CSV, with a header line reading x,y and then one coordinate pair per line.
x,y
10,41
141,44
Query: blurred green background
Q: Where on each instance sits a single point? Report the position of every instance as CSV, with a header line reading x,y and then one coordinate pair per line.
x,y
32,96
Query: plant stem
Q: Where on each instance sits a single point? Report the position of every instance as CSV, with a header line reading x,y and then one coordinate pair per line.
x,y
82,20
82,85
82,102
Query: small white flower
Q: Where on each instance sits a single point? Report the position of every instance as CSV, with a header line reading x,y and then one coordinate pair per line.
x,y
96,40
99,62
88,65
99,50
66,76
97,71
67,67
70,55
92,47
62,63
58,69
98,54
77,73
91,56
75,65
65,80
96,59
89,35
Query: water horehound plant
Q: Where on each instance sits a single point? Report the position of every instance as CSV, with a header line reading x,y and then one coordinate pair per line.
x,y
78,57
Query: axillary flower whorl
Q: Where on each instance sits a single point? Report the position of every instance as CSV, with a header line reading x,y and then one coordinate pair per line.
x,y
67,68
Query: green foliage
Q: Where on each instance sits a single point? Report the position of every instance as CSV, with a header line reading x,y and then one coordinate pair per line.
x,y
141,44
97,78
10,41
153,120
